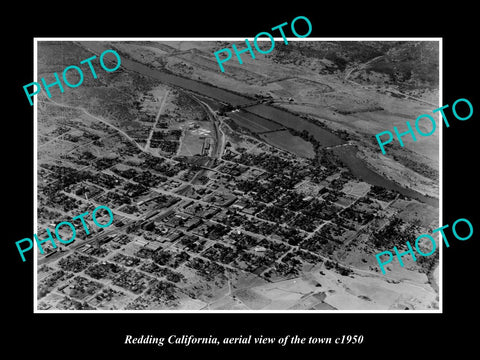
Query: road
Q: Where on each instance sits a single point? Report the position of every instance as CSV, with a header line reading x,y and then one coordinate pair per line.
x,y
360,66
372,87
162,105
120,131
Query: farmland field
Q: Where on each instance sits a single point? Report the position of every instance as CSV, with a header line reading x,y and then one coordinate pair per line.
x,y
253,123
294,144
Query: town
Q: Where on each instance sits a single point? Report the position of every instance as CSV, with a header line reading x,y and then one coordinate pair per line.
x,y
57,235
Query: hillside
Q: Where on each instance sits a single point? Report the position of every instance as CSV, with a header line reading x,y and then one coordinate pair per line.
x,y
405,65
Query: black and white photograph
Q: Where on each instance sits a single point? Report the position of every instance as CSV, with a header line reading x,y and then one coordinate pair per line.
x,y
185,180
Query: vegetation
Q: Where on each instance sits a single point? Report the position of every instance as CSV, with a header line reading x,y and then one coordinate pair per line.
x,y
407,63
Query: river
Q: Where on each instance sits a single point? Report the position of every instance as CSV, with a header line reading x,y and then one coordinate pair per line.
x,y
347,154
324,137
188,84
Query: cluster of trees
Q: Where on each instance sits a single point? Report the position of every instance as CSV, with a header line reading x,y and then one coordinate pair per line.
x,y
255,261
167,135
193,243
168,146
161,291
168,258
126,260
418,167
381,193
131,280
133,190
207,269
103,270
268,190
293,201
304,222
47,284
357,215
104,163
275,214
288,267
170,275
243,241
290,234
64,177
395,233
269,162
318,244
82,287
342,270
76,262
159,165
221,253
71,304
216,231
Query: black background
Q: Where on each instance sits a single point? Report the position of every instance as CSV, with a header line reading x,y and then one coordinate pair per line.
x,y
63,335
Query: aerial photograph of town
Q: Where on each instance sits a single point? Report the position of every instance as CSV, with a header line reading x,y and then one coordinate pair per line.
x,y
261,188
